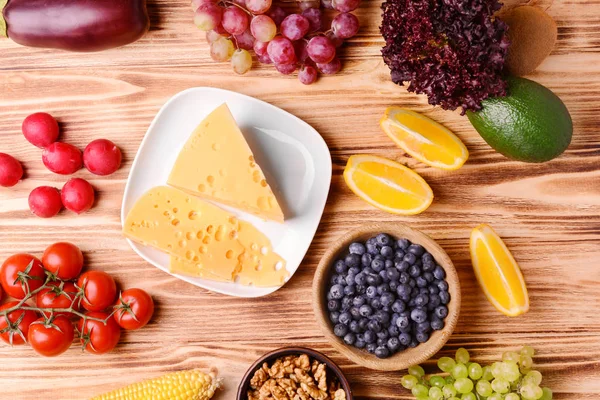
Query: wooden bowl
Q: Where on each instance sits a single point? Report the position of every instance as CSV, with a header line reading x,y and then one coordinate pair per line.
x,y
410,356
286,351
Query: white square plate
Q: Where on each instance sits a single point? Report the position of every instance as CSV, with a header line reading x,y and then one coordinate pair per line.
x,y
292,154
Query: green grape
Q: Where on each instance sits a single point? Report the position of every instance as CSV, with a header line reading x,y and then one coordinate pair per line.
x,y
511,372
475,371
531,392
484,388
460,371
534,377
487,373
435,393
500,386
527,351
462,355
408,381
497,369
416,370
437,381
420,390
449,391
450,380
446,364
241,61
546,394
525,362
495,396
512,396
510,356
469,396
463,385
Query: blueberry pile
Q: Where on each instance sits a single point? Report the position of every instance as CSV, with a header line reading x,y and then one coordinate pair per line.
x,y
387,295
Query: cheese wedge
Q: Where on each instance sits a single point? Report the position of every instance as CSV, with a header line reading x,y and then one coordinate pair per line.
x,y
216,163
204,240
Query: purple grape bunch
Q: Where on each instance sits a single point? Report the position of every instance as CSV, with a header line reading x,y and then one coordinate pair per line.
x,y
297,42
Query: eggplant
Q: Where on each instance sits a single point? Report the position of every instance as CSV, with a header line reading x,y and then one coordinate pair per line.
x,y
74,25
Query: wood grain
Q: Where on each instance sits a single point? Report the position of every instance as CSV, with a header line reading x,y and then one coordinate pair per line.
x,y
549,214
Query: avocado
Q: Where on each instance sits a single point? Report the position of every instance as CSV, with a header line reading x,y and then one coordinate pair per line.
x,y
531,124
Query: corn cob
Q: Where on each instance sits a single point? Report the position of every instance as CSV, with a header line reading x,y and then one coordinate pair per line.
x,y
182,385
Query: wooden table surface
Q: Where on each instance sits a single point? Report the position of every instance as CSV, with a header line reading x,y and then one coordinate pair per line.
x,y
549,214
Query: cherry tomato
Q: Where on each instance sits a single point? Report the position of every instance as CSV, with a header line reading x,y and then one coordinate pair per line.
x,y
13,271
63,259
49,341
13,334
96,337
134,309
56,297
99,290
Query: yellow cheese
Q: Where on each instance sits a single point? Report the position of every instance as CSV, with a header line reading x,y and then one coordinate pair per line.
x,y
216,163
204,240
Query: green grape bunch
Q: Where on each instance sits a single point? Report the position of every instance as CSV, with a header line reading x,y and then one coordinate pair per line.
x,y
510,379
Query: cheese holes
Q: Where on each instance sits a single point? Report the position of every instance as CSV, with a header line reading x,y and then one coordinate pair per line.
x,y
220,234
263,183
189,254
256,176
182,243
193,215
210,229
229,254
206,240
175,222
210,179
175,210
202,188
264,250
233,235
199,235
278,266
189,235
202,249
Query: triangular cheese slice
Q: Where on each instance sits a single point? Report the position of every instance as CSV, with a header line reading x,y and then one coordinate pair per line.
x,y
216,163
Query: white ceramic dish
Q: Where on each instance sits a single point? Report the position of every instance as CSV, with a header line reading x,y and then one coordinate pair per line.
x,y
292,154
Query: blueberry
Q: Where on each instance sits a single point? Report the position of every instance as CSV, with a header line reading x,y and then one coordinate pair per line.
x,y
423,326
413,343
399,255
403,290
337,292
402,265
354,311
384,239
393,344
352,260
444,297
362,324
398,306
387,299
402,322
442,285
422,337
421,282
345,318
335,279
382,317
404,277
416,249
387,252
350,290
360,279
334,317
434,300
359,301
354,326
368,271
340,267
419,262
428,265
381,342
378,265
376,303
372,240
371,292
393,274
393,330
428,277
412,283
374,326
384,334
361,289
418,315
340,330
371,347
370,337
410,258
360,343
366,260
382,352
411,303
427,257
383,276
393,285
439,272
383,288
414,271
421,300
437,324
346,303
365,310
441,312
373,279
386,309
372,249
389,264
348,280
357,248
403,243
350,338
333,305
404,339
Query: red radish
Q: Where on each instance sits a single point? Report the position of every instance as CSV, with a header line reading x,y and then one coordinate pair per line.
x,y
62,158
102,157
40,129
11,170
45,202
77,195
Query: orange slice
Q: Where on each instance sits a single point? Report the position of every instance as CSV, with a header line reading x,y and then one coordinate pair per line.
x,y
387,185
424,139
498,273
